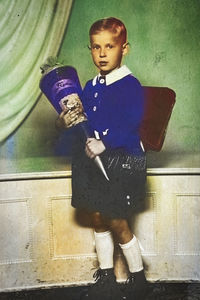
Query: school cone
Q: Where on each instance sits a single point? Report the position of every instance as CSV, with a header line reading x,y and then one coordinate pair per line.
x,y
99,163
97,159
61,86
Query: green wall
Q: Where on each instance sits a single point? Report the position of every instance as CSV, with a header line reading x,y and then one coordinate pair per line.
x,y
165,40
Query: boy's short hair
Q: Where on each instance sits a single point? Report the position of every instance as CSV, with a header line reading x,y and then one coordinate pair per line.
x,y
111,24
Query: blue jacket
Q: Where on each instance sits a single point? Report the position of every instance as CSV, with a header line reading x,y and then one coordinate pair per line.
x,y
115,109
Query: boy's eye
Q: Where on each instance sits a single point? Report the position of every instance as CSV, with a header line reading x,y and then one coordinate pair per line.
x,y
109,46
95,47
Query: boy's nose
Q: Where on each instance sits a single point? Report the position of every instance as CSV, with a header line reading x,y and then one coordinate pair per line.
x,y
102,52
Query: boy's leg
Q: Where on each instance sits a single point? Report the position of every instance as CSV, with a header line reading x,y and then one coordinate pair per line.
x,y
105,245
103,242
106,286
104,248
132,253
128,244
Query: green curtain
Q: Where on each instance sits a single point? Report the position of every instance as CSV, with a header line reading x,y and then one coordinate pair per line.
x,y
30,31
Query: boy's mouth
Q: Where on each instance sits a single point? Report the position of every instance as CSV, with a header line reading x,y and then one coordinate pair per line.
x,y
103,63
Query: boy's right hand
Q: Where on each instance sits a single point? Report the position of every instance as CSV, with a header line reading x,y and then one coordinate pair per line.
x,y
68,118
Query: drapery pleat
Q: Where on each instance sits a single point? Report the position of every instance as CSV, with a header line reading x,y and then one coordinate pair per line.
x,y
30,31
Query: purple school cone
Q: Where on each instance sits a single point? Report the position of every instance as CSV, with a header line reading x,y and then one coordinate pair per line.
x,y
62,88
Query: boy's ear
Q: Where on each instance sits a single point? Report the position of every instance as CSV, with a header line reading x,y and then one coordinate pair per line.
x,y
125,48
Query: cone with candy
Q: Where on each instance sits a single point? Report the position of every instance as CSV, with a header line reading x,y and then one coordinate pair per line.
x,y
61,86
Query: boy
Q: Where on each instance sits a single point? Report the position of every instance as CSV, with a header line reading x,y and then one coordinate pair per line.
x,y
113,102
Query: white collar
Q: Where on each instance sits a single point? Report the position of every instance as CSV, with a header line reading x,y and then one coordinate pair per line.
x,y
115,75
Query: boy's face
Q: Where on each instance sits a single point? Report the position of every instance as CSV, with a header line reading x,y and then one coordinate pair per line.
x,y
107,51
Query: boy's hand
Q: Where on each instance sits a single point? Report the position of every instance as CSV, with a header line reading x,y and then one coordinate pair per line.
x,y
94,147
72,113
68,118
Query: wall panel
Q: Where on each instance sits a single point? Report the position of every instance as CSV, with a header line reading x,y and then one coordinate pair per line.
x,y
45,242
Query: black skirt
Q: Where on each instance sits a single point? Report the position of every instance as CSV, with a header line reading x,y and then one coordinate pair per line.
x,y
117,198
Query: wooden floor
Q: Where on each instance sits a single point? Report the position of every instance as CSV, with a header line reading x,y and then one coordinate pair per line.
x,y
156,291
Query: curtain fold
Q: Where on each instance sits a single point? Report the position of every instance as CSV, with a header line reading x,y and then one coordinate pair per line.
x,y
31,30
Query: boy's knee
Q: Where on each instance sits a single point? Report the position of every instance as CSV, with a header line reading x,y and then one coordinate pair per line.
x,y
121,230
96,216
117,224
97,221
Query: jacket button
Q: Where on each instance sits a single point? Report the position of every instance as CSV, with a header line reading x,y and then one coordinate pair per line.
x,y
102,80
95,95
94,108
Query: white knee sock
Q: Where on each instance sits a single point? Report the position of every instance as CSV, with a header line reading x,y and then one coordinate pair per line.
x,y
132,253
104,248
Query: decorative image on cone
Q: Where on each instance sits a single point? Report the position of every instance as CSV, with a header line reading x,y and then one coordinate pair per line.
x,y
61,86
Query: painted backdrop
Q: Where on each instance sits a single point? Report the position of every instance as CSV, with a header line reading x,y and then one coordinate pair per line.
x,y
164,38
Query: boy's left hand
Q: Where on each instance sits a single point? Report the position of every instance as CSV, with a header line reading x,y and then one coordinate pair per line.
x,y
94,147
